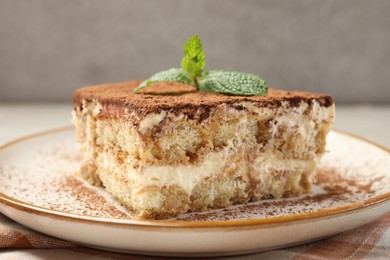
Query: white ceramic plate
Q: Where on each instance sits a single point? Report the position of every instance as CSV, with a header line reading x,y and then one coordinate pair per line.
x,y
38,189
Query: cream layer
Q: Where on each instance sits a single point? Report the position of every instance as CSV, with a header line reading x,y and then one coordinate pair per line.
x,y
189,176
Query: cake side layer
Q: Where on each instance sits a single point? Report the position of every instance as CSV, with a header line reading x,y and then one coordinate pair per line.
x,y
224,178
167,163
168,139
165,191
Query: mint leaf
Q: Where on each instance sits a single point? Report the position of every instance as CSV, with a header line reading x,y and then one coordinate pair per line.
x,y
172,74
234,83
193,61
192,73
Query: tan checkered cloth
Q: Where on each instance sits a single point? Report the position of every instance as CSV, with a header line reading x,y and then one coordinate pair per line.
x,y
369,241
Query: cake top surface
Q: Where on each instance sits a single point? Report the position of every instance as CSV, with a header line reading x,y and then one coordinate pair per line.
x,y
177,96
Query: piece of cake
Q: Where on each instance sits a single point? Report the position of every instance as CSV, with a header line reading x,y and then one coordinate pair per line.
x,y
170,149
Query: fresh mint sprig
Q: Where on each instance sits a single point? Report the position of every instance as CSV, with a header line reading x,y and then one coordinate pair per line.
x,y
193,61
218,81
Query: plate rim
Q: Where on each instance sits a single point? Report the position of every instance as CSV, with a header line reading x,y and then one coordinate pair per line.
x,y
345,209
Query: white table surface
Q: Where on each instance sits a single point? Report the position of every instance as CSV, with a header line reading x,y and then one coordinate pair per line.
x,y
19,119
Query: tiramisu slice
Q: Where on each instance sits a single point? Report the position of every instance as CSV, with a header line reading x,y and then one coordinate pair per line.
x,y
170,149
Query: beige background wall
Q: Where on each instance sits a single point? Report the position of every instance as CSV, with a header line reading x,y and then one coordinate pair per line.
x,y
48,48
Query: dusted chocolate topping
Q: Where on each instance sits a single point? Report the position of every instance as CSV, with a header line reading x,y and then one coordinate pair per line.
x,y
177,98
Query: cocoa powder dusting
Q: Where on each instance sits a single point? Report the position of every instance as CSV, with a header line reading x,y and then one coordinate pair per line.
x,y
93,204
118,101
